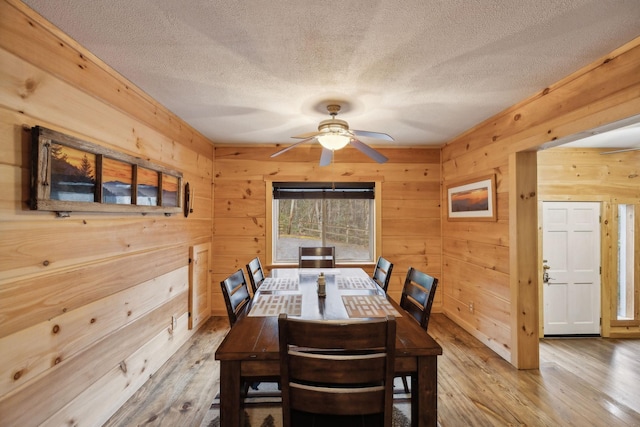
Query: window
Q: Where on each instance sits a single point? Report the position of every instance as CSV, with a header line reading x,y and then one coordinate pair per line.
x,y
626,267
324,214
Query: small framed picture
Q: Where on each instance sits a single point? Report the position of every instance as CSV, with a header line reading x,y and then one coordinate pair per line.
x,y
473,200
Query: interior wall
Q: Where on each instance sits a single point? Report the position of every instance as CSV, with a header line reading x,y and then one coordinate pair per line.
x,y
474,266
93,304
579,174
410,214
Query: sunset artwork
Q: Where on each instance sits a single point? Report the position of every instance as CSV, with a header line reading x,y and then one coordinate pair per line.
x,y
72,174
117,177
474,200
470,200
170,190
147,187
68,175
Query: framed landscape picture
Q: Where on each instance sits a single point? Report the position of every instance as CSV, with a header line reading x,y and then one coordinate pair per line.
x,y
69,174
472,200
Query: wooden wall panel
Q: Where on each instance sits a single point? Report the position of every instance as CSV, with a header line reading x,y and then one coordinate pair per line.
x,y
122,381
578,174
80,297
34,247
199,284
84,369
605,91
486,255
34,348
410,230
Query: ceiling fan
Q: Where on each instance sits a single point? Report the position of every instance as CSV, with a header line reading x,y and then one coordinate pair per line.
x,y
334,134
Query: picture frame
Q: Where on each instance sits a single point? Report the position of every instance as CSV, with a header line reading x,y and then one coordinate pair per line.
x,y
72,175
472,200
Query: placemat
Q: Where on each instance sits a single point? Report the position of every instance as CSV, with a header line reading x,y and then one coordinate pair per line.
x,y
368,306
273,305
279,284
345,283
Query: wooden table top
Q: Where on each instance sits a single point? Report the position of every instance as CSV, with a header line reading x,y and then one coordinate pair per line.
x,y
255,336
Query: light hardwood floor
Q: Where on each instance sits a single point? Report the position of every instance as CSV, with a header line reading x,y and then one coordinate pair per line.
x,y
581,382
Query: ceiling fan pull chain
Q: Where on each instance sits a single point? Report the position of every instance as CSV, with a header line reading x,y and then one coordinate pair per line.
x,y
333,169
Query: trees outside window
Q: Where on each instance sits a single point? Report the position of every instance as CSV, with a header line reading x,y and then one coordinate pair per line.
x,y
324,214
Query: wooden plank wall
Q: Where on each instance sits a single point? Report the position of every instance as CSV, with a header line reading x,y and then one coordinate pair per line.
x,y
476,256
410,218
91,305
578,174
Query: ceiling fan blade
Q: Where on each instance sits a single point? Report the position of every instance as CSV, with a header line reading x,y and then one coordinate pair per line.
x,y
375,155
378,135
325,158
284,150
307,135
623,150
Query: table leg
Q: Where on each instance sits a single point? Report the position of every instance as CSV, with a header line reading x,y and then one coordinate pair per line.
x,y
230,394
424,400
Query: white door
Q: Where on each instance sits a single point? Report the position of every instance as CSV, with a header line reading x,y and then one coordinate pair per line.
x,y
571,257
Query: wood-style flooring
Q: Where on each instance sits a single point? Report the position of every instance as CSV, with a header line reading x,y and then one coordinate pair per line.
x,y
581,382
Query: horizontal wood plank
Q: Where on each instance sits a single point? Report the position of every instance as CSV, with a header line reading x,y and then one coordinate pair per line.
x,y
30,301
86,368
40,347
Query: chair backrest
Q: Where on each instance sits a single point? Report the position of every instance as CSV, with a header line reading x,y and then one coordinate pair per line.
x,y
382,273
340,367
417,295
256,273
236,295
317,257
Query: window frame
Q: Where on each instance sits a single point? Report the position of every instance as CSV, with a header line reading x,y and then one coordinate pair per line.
x,y
377,215
614,267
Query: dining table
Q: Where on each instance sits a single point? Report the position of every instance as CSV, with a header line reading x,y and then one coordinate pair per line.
x,y
250,352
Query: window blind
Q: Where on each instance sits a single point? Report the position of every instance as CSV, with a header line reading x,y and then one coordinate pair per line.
x,y
323,190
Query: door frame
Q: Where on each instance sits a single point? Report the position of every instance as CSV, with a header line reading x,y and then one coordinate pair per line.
x,y
525,267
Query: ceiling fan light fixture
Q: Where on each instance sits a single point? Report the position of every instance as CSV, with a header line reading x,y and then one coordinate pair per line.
x,y
333,141
334,134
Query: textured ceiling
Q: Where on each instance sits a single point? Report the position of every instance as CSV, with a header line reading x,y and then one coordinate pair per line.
x,y
422,71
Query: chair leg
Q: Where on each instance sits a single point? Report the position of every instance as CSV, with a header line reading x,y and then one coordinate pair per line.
x,y
404,383
245,390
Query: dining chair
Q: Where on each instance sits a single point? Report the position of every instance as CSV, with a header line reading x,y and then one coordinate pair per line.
x,y
236,295
256,274
417,298
382,273
317,257
237,298
337,372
